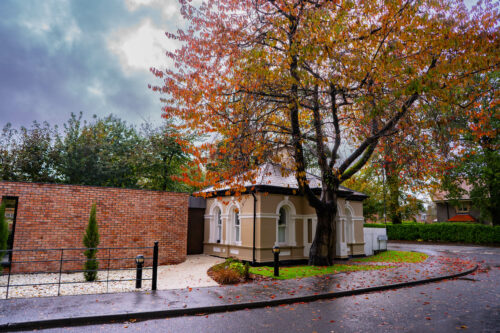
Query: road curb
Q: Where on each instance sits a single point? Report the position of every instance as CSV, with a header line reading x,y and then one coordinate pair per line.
x,y
101,319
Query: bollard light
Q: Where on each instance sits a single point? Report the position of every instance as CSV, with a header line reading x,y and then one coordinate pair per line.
x,y
139,261
276,251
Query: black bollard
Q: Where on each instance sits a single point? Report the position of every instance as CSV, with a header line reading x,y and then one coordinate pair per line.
x,y
276,251
139,261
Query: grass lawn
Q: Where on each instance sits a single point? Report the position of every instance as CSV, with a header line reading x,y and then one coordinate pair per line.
x,y
394,256
295,272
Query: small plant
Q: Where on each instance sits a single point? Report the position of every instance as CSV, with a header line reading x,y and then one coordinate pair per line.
x,y
230,271
247,271
226,276
91,241
4,232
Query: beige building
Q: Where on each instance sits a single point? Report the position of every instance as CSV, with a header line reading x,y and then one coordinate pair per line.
x,y
248,226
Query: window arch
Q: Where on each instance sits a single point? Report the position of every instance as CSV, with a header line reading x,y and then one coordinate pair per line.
x,y
282,225
349,213
236,226
285,223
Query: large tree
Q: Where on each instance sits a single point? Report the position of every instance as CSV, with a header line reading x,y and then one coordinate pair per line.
x,y
267,76
162,158
7,154
29,153
103,152
474,166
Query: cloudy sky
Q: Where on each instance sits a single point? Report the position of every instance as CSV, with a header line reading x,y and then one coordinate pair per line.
x,y
63,56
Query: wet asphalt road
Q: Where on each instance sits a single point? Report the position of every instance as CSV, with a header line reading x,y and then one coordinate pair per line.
x,y
470,303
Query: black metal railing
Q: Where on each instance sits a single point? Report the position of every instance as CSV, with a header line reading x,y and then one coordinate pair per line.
x,y
50,263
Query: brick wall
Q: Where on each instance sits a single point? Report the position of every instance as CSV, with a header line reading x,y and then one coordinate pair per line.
x,y
55,216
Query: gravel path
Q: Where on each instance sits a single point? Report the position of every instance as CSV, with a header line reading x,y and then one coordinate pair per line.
x,y
192,273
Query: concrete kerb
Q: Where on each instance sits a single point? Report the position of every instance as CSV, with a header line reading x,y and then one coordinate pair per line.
x,y
101,319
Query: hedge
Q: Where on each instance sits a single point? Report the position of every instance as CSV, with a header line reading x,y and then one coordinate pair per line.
x,y
443,232
374,225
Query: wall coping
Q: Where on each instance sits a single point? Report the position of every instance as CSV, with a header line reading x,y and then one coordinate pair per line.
x,y
89,186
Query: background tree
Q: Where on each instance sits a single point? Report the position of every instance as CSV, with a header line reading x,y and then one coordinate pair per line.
x,y
33,155
370,181
163,158
273,75
100,153
475,162
91,242
103,152
7,155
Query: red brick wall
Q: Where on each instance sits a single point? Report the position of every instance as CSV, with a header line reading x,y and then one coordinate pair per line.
x,y
55,216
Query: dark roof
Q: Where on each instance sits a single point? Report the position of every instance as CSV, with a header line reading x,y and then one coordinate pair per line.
x,y
273,178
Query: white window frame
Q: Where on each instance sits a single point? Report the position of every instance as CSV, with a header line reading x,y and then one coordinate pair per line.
x,y
236,227
291,216
349,224
233,210
218,225
283,212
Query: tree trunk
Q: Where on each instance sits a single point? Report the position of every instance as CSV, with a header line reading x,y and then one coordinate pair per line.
x,y
323,247
394,210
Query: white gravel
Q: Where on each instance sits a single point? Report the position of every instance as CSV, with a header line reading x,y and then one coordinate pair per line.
x,y
192,273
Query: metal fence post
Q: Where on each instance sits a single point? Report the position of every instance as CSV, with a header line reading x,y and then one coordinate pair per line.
x,y
107,276
60,270
155,266
8,277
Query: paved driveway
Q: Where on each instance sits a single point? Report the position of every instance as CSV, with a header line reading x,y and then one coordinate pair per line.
x,y
469,304
191,273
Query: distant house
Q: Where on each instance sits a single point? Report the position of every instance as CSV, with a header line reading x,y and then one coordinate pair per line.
x,y
270,213
450,211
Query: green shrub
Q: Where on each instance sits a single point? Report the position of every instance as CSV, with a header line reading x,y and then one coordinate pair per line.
x,y
226,276
91,241
247,270
230,271
446,232
237,266
374,225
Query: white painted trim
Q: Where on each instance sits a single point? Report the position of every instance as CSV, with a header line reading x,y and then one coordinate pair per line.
x,y
306,216
231,226
212,232
260,215
274,216
234,251
349,207
349,224
290,238
288,203
340,211
307,246
285,253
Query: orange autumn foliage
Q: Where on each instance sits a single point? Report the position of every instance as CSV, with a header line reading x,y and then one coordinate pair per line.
x,y
263,77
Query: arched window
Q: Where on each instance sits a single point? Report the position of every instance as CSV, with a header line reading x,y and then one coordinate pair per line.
x,y
349,225
282,225
218,225
237,226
